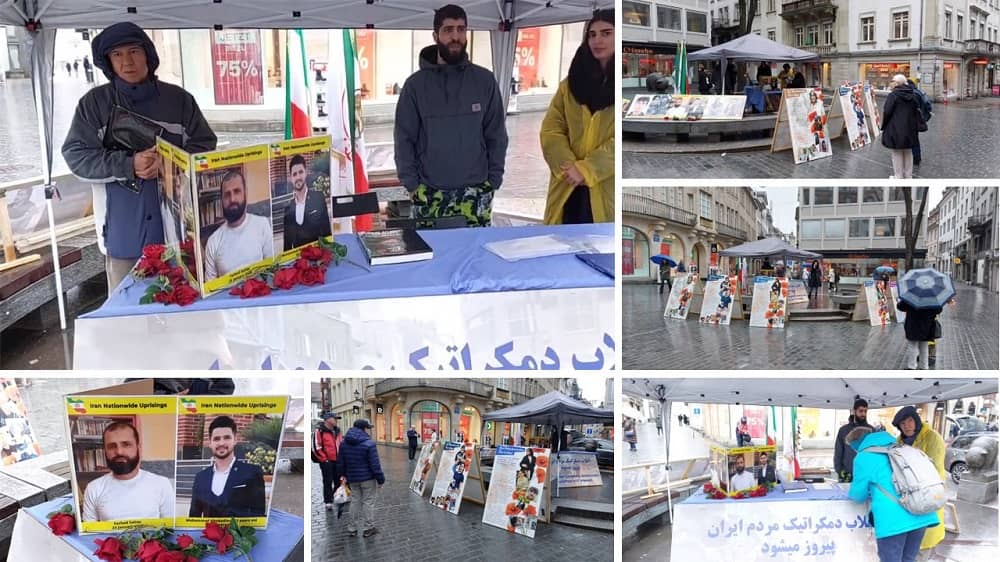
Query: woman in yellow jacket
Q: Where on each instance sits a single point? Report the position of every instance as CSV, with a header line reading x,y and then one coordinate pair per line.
x,y
578,132
917,434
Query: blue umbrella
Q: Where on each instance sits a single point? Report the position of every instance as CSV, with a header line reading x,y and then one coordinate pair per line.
x,y
658,259
883,269
926,288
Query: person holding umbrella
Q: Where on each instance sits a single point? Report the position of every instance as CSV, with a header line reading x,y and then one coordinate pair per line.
x,y
922,296
665,263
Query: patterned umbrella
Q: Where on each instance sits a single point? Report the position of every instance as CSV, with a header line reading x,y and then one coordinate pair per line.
x,y
926,288
658,259
877,274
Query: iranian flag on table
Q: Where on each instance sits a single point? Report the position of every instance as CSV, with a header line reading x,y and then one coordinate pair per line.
x,y
345,122
297,123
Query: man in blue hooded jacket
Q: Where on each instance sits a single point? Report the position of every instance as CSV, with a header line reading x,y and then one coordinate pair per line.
x,y
133,219
450,136
358,458
897,531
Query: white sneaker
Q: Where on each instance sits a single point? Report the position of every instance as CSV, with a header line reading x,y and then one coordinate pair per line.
x,y
892,177
329,507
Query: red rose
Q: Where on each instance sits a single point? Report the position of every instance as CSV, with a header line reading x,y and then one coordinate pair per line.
x,y
707,488
312,276
109,549
185,294
286,278
184,541
172,556
214,532
62,524
252,288
326,257
149,550
311,253
154,251
224,544
175,275
164,297
302,263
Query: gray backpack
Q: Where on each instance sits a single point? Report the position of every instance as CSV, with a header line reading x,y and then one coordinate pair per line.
x,y
915,479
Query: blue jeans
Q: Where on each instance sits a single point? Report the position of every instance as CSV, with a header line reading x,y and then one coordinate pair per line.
x,y
903,547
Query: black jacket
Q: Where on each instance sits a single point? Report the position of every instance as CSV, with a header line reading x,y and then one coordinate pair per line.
x,y
843,454
899,118
919,324
412,436
704,84
242,496
315,222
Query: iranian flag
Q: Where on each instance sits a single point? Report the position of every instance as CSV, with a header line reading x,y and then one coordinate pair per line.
x,y
345,122
296,87
681,69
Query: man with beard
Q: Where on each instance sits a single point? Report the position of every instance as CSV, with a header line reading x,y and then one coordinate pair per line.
x,y
843,453
306,219
742,479
228,488
450,137
127,492
244,238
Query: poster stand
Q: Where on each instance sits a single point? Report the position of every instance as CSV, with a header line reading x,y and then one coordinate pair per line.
x,y
860,307
781,139
545,513
737,306
478,492
835,123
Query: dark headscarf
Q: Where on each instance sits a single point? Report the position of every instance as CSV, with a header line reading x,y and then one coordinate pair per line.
x,y
123,33
590,84
907,412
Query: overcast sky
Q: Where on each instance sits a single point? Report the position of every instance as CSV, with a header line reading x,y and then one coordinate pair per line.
x,y
591,387
784,200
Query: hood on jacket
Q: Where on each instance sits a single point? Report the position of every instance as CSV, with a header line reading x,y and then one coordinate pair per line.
x,y
905,92
356,437
877,439
429,58
123,33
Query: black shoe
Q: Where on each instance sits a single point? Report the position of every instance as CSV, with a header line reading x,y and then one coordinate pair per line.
x,y
369,532
916,162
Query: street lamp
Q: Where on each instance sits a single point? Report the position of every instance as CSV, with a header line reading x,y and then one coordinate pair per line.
x,y
357,408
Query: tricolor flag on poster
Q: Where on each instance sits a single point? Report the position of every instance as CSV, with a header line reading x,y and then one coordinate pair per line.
x,y
297,124
345,122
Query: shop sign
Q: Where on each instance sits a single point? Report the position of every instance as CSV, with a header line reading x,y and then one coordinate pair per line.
x,y
236,72
526,56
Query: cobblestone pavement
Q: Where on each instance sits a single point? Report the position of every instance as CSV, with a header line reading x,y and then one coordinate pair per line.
x,y
970,339
963,142
411,530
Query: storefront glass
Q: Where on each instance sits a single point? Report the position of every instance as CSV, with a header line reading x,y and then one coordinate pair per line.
x,y
429,416
950,78
635,253
470,423
638,62
880,73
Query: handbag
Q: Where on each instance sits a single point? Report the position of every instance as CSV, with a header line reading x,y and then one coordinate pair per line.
x,y
127,130
937,329
921,122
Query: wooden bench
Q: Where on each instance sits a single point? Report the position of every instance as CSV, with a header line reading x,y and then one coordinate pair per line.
x,y
29,483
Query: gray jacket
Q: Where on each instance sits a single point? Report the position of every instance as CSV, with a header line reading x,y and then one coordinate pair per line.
x,y
450,131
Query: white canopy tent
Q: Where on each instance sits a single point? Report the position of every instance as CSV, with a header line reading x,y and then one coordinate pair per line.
x,y
43,17
751,47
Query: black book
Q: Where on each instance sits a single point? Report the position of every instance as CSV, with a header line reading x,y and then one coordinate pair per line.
x,y
794,487
399,245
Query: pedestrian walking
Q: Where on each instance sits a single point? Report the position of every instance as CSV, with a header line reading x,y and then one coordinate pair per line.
x,y
665,277
88,70
630,436
843,453
705,83
901,122
76,67
815,279
898,532
411,436
831,279
915,433
69,70
920,327
926,112
326,443
361,466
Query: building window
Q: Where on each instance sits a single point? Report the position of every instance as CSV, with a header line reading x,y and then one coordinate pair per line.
x,y
897,193
771,35
668,18
757,13
847,195
635,13
873,194
860,228
798,36
947,25
867,29
770,6
885,227
972,29
706,205
901,25
811,229
805,196
812,38
833,228
959,30
697,22
828,33
822,196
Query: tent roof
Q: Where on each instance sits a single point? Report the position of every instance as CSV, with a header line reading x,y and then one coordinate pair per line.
x,y
766,248
268,14
753,47
836,393
554,408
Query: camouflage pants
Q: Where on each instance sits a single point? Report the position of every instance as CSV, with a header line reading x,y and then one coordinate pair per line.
x,y
475,203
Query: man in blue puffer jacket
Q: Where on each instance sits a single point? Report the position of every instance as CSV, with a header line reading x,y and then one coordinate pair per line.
x,y
897,531
358,458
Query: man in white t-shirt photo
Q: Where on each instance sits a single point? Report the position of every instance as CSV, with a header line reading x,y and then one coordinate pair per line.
x,y
244,238
128,491
742,479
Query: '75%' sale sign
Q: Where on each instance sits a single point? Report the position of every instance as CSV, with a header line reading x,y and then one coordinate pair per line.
x,y
236,59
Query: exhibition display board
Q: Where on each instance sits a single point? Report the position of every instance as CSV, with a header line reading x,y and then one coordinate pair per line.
x,y
679,302
425,464
517,488
576,469
679,107
769,306
802,125
16,434
450,481
720,294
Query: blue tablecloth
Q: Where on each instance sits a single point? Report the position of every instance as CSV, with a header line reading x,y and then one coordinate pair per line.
x,y
461,265
778,495
756,97
283,533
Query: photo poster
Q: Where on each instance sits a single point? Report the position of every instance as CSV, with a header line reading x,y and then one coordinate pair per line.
x,y
517,487
765,467
172,181
874,116
852,103
770,298
103,433
300,168
638,106
577,469
658,106
717,307
737,479
807,124
205,435
625,103
877,297
680,297
724,108
17,437
894,291
449,482
425,464
717,467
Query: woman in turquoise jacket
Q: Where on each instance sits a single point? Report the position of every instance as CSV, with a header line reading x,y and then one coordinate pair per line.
x,y
897,531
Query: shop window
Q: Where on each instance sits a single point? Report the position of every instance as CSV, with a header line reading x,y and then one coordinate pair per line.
x,y
860,228
706,205
805,196
810,229
668,18
833,228
847,195
697,22
828,33
635,13
885,227
822,196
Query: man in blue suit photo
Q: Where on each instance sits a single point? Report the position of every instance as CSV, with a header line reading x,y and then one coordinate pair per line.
x,y
230,487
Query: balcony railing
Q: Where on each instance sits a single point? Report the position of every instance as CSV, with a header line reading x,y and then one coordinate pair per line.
x,y
979,224
639,205
467,386
808,9
726,230
981,47
821,50
722,23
